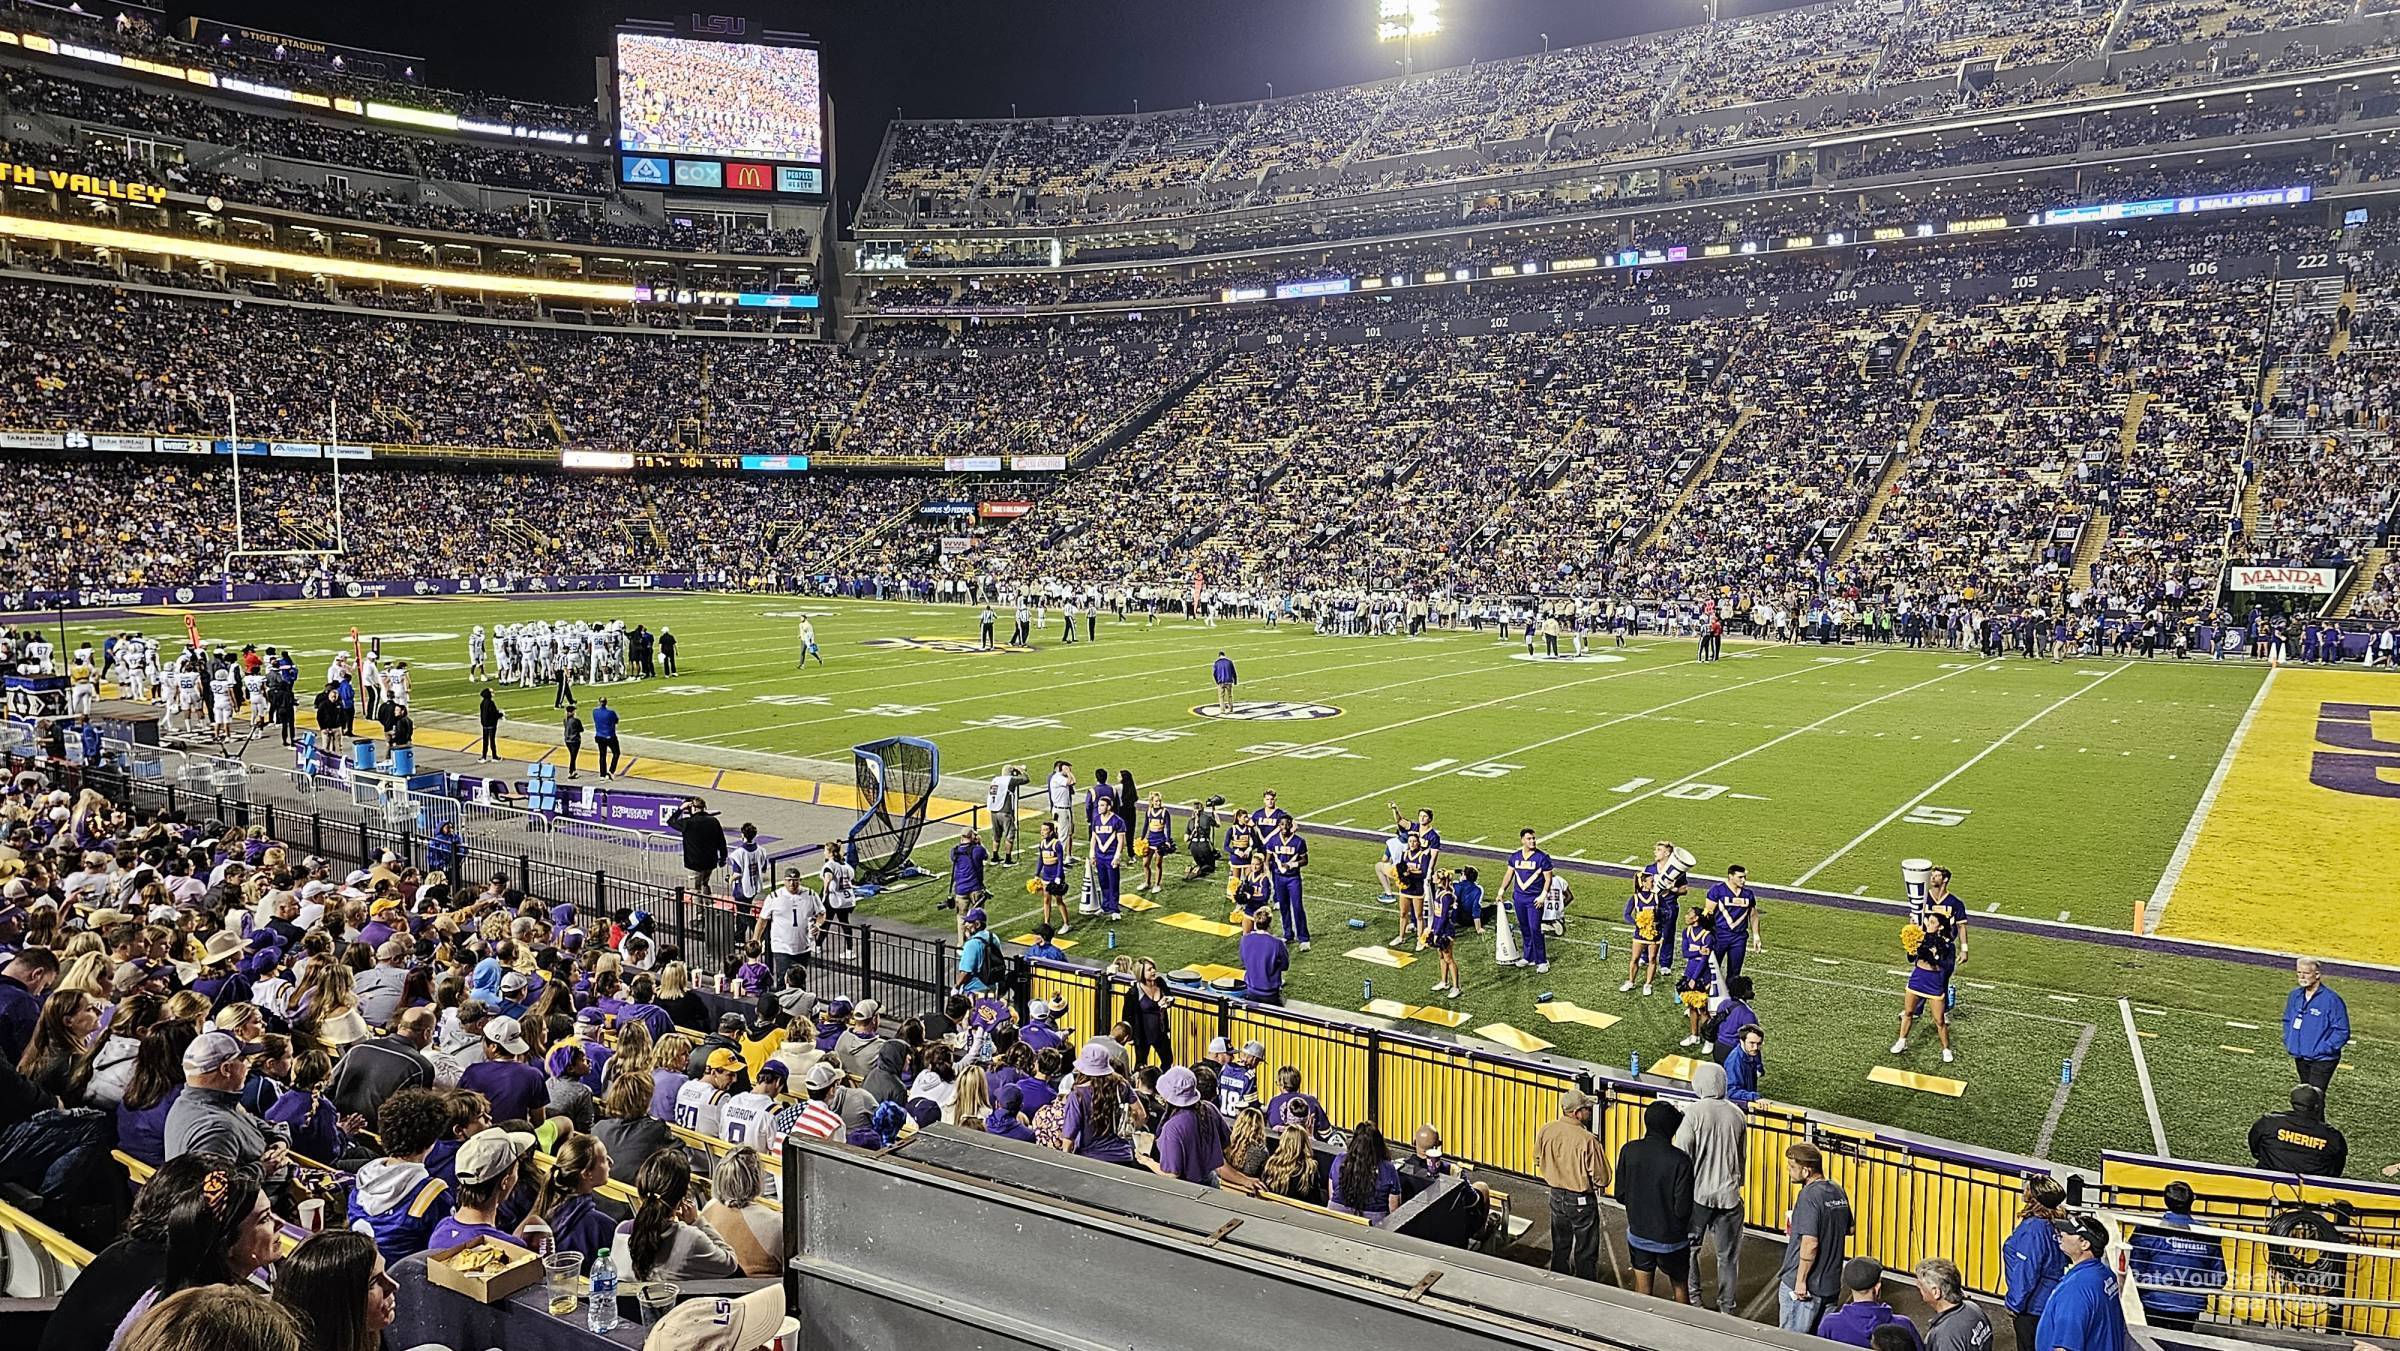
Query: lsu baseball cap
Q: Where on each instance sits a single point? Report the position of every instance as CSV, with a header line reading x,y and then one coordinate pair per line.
x,y
722,1059
721,1324
506,1033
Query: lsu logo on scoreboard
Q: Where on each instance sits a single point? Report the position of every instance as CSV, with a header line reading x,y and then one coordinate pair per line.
x,y
719,25
2362,759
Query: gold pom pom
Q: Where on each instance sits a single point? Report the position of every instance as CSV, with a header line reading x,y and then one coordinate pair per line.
x,y
1695,999
1911,937
1645,925
1033,886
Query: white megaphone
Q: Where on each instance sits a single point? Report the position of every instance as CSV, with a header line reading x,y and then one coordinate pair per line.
x,y
1678,866
1915,875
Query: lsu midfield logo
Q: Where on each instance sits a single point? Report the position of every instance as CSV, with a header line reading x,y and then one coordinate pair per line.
x,y
2365,763
1268,710
966,645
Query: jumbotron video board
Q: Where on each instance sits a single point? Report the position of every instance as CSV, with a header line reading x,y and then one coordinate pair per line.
x,y
719,115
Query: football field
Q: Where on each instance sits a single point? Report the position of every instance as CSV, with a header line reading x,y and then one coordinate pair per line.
x,y
2055,792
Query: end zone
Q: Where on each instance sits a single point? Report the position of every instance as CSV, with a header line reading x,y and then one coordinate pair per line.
x,y
2315,776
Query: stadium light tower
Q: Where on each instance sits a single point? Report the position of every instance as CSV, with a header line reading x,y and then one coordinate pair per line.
x,y
1404,21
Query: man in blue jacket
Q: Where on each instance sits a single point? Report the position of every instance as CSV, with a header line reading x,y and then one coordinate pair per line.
x,y
2173,1269
1743,1064
1222,673
2316,1026
604,738
2083,1313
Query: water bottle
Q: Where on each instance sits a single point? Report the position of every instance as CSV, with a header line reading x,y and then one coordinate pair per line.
x,y
2066,1071
1604,947
601,1311
1112,940
1366,991
1633,1065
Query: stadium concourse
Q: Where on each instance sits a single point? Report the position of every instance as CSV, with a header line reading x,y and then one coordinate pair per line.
x,y
1813,472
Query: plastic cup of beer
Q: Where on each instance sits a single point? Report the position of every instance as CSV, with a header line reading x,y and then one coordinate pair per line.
x,y
658,1300
562,1275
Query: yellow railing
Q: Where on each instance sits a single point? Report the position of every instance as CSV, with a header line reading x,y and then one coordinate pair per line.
x,y
1912,1199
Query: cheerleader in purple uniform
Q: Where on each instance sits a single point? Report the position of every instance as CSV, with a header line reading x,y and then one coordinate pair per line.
x,y
1928,982
1699,968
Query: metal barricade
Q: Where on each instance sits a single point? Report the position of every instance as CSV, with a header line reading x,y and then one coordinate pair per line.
x,y
2258,1278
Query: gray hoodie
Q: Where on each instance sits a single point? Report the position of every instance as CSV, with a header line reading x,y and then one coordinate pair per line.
x,y
1713,1133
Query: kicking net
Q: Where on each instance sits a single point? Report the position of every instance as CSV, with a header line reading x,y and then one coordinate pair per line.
x,y
895,783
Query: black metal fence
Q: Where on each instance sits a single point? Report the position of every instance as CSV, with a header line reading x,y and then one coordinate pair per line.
x,y
907,974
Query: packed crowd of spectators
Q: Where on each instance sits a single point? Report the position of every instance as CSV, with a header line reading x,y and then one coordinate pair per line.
x,y
2162,23
1592,105
1942,33
135,108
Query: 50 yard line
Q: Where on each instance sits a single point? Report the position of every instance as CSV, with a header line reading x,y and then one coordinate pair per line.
x,y
1938,784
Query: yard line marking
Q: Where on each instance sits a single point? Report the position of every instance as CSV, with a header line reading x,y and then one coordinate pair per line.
x,y
2062,915
1469,670
2066,999
2156,909
2151,1013
1627,860
1825,961
2246,1027
2238,1050
1938,784
1981,985
2058,1099
1992,909
2141,1074
1553,740
1768,745
949,703
1859,892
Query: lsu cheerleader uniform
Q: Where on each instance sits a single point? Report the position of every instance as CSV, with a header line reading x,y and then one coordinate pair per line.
x,y
1108,861
1158,834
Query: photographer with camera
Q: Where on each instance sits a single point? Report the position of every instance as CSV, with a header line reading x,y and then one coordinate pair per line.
x,y
1199,838
1000,799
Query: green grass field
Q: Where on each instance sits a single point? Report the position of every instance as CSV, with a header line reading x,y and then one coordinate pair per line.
x,y
2052,791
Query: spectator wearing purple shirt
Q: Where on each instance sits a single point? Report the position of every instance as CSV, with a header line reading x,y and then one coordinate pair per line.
x,y
503,1077
1191,1141
967,858
1287,1093
1096,1123
1863,1308
1363,1182
1264,959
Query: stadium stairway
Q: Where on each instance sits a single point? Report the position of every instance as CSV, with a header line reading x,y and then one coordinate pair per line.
x,y
2129,435
1908,349
2368,568
1691,486
1893,467
2087,550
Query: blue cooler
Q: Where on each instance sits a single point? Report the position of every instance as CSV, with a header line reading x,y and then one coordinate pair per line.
x,y
362,755
404,760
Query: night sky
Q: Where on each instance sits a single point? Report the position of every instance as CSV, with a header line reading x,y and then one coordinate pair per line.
x,y
975,58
